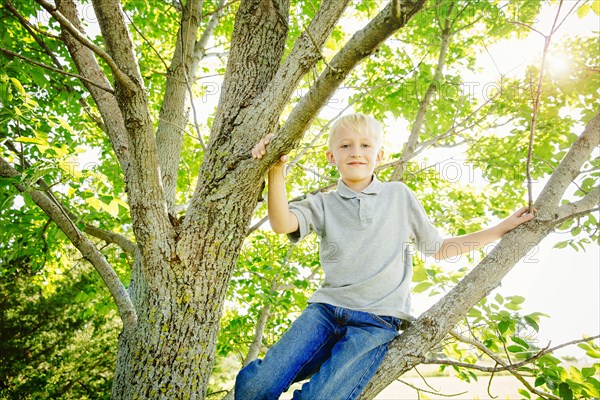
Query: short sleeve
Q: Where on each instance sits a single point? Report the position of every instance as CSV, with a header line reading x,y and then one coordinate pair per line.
x,y
427,237
309,213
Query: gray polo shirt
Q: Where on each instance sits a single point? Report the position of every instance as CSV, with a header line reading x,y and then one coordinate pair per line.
x,y
365,250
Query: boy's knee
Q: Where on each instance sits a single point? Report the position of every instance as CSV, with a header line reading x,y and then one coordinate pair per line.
x,y
244,385
251,385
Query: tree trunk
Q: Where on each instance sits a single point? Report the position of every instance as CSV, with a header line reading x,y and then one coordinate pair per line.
x,y
179,295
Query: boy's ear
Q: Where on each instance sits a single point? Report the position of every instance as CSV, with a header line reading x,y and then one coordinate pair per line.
x,y
330,157
380,155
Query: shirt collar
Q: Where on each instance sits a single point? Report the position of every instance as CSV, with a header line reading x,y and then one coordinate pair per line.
x,y
373,188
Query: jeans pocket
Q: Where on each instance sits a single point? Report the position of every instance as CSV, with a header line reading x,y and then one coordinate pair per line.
x,y
388,322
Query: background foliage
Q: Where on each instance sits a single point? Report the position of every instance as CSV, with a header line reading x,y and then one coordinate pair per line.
x,y
58,325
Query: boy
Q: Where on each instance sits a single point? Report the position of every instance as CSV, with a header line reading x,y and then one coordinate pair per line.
x,y
365,227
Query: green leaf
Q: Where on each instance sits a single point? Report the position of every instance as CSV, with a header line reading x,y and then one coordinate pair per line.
x,y
515,349
520,341
524,393
551,384
576,375
592,385
589,350
565,392
561,245
516,299
512,306
531,322
419,274
94,202
63,122
499,299
32,140
539,381
421,287
18,85
503,326
583,10
588,371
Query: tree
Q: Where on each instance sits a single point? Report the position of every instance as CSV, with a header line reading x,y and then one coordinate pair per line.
x,y
40,331
137,116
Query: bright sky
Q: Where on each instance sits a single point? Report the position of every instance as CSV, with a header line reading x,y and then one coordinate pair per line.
x,y
560,282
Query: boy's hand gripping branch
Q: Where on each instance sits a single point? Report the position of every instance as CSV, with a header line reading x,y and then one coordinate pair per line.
x,y
261,149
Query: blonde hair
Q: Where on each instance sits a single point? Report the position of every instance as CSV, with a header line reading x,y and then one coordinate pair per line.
x,y
360,124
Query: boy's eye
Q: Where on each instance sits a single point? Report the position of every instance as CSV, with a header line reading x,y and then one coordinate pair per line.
x,y
345,146
366,145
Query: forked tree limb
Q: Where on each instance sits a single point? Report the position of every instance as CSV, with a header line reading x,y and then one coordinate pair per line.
x,y
81,242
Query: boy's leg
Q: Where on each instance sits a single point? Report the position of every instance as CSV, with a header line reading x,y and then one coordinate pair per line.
x,y
354,358
302,349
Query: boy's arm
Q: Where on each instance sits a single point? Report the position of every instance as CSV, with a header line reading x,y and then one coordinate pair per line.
x,y
452,247
280,217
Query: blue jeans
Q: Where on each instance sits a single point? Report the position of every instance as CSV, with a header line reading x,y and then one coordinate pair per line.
x,y
339,349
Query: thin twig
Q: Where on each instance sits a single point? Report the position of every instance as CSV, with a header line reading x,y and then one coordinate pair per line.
x,y
319,51
69,27
423,379
194,113
536,104
506,367
12,8
418,389
147,41
489,387
57,70
499,360
528,27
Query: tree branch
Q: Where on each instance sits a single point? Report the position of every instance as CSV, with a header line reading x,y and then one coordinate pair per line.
x,y
57,70
259,331
81,242
173,111
508,367
578,208
108,236
304,56
111,237
88,66
362,44
145,193
266,20
568,169
69,27
413,139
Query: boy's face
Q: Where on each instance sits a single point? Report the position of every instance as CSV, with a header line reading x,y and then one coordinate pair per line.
x,y
356,155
